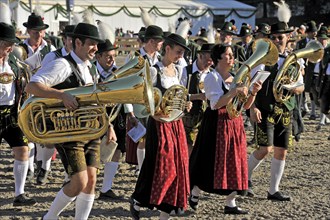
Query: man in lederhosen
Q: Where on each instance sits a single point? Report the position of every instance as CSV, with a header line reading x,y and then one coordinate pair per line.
x,y
81,159
10,97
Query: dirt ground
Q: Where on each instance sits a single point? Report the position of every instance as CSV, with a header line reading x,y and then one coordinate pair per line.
x,y
306,180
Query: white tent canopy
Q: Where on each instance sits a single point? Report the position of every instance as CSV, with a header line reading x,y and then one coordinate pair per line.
x,y
164,13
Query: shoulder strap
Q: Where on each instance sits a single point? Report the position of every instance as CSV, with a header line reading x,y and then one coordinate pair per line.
x,y
75,70
58,53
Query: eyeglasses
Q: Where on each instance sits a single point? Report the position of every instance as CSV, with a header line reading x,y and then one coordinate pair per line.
x,y
280,38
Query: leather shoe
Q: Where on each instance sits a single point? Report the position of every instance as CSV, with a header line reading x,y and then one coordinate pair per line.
x,y
312,117
278,196
110,195
23,200
135,213
250,192
193,204
235,211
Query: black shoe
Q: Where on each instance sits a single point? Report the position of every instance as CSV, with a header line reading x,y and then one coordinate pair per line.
x,y
110,195
250,192
312,117
319,126
42,176
329,138
303,113
29,175
135,213
23,200
278,196
235,211
193,204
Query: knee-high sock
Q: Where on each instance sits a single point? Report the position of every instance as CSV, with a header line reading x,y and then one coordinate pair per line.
x,y
322,118
313,108
140,153
110,170
253,164
39,152
60,202
47,157
230,200
84,204
31,156
20,172
276,172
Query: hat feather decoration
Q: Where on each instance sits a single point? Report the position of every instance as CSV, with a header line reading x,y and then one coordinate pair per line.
x,y
210,35
38,9
75,19
88,17
183,29
171,26
146,19
105,31
283,12
5,13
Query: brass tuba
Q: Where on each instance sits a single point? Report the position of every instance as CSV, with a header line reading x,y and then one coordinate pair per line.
x,y
47,121
264,52
290,69
134,65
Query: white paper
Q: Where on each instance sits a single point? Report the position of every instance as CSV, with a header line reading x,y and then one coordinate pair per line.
x,y
137,132
34,61
292,86
259,76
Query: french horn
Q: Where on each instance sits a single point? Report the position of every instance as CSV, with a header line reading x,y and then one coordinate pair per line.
x,y
264,52
290,70
47,121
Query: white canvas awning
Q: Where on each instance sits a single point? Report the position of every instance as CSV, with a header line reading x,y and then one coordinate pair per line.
x,y
126,13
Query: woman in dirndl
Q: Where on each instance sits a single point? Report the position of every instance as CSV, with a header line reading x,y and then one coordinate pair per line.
x,y
218,163
163,182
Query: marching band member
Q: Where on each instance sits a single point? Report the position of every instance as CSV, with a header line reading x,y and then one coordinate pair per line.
x,y
80,159
10,94
163,181
106,65
218,161
274,120
193,76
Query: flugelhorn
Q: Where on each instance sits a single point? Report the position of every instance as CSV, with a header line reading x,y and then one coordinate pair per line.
x,y
264,52
290,69
47,121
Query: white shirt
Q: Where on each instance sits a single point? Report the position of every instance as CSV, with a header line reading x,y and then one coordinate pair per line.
x,y
213,87
104,74
152,60
7,91
166,81
52,56
43,44
202,74
59,70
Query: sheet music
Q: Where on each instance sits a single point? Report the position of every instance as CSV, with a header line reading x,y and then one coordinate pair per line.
x,y
259,76
136,133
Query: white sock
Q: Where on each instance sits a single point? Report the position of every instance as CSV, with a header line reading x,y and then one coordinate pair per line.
x,y
60,202
39,152
276,172
20,172
230,200
313,107
66,177
306,106
110,170
140,154
164,215
253,164
47,157
195,192
136,207
84,204
31,156
322,118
